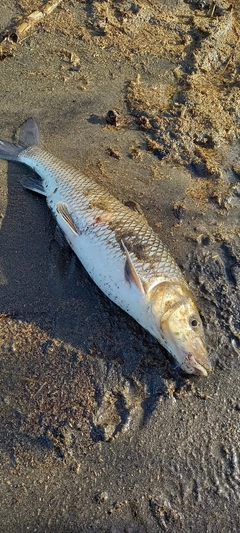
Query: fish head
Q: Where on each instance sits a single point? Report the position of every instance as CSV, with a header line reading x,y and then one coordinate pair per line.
x,y
180,326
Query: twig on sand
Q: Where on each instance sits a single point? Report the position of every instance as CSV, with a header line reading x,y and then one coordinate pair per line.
x,y
11,38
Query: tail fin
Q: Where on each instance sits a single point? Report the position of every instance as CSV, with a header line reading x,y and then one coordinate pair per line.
x,y
9,151
28,136
29,133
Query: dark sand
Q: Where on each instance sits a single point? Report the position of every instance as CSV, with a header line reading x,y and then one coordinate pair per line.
x,y
99,430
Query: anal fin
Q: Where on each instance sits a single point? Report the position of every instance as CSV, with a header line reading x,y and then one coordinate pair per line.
x,y
34,184
63,211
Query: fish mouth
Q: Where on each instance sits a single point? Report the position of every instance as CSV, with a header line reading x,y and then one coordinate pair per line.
x,y
192,361
201,366
195,361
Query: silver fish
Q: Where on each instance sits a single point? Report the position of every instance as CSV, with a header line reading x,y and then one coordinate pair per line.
x,y
119,250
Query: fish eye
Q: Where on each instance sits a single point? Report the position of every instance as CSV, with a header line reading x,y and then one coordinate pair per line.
x,y
194,322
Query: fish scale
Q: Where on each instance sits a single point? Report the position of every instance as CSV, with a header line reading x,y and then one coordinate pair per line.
x,y
126,224
120,251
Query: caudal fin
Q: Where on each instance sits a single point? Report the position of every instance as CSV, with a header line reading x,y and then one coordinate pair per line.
x,y
28,136
9,151
29,133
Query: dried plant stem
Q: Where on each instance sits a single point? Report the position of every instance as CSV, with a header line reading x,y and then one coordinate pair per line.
x,y
11,38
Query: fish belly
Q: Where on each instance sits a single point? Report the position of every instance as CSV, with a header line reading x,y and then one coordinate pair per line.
x,y
105,266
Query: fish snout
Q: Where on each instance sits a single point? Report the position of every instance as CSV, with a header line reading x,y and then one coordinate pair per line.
x,y
200,363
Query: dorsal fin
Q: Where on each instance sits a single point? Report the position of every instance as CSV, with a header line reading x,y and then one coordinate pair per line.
x,y
130,272
134,206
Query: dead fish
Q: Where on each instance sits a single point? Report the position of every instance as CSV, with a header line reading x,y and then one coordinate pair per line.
x,y
119,250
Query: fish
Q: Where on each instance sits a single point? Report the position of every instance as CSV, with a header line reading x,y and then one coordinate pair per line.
x,y
120,251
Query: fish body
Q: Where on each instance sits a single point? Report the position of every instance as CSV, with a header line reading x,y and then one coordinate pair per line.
x,y
119,250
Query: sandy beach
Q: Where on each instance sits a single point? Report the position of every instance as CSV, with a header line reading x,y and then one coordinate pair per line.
x,y
100,431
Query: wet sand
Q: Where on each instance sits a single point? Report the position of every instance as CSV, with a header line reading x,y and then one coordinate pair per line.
x,y
99,430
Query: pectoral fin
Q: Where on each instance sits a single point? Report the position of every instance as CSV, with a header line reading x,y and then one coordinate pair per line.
x,y
62,209
130,272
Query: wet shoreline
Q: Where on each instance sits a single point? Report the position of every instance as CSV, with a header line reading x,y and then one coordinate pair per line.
x,y
99,429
